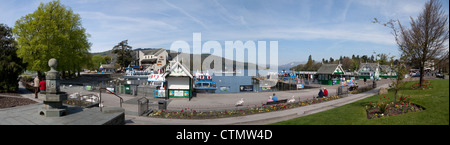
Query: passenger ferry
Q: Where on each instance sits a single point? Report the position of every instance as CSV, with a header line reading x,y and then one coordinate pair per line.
x,y
203,83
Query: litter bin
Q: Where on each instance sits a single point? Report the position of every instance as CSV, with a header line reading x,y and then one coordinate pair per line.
x,y
88,88
339,91
127,89
162,105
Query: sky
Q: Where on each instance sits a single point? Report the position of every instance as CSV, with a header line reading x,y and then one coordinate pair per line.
x,y
320,28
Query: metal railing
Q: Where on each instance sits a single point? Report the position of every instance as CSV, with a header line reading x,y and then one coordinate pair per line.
x,y
100,95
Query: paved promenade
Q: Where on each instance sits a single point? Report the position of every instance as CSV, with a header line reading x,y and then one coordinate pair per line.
x,y
257,119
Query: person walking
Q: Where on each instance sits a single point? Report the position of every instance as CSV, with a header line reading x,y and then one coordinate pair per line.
x,y
36,86
42,86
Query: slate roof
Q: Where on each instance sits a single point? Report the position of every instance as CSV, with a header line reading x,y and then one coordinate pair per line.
x,y
328,68
107,66
385,68
153,51
371,66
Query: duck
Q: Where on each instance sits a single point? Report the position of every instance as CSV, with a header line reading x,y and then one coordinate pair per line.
x,y
292,100
240,102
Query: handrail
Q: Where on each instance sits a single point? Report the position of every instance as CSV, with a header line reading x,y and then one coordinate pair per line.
x,y
121,99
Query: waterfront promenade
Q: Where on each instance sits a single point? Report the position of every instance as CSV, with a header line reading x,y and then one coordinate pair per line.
x,y
209,102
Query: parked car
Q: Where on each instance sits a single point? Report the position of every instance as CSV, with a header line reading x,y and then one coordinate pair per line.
x,y
440,76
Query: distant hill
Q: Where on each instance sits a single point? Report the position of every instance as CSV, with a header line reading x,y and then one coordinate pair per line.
x,y
173,55
290,65
102,53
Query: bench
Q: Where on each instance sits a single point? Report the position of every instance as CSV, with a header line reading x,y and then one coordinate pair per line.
x,y
276,102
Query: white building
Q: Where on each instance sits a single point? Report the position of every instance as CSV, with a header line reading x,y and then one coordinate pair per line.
x,y
152,59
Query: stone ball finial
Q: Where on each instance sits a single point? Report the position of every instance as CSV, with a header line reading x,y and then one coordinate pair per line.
x,y
52,63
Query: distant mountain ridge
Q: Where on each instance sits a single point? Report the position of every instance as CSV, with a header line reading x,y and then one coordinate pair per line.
x,y
290,65
173,55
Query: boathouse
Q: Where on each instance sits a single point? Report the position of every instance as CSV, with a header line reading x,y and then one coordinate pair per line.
x,y
387,72
329,74
179,81
107,68
369,71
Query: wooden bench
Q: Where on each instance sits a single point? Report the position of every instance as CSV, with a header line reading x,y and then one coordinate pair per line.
x,y
276,102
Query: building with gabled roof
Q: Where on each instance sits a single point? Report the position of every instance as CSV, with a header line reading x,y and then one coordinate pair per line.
x,y
179,81
369,71
329,74
387,72
152,59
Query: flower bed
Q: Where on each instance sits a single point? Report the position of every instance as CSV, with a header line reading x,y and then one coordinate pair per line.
x,y
80,103
384,107
189,113
425,85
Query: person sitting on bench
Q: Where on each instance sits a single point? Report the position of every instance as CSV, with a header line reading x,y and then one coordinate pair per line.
x,y
274,98
270,99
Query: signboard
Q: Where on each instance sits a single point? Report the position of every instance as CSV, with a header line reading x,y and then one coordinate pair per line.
x,y
224,88
265,88
246,88
179,93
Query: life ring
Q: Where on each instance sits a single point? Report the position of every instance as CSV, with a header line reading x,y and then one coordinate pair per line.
x,y
209,77
202,77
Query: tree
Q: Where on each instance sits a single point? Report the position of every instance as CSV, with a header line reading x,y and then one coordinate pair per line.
x,y
382,59
400,70
426,38
347,63
11,66
97,60
123,50
309,64
52,31
107,59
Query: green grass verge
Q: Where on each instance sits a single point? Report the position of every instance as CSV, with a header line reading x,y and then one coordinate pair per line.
x,y
435,101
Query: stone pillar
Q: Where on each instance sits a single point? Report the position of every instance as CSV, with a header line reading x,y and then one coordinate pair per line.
x,y
52,98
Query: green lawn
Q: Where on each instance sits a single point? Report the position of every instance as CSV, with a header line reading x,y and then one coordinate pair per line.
x,y
435,101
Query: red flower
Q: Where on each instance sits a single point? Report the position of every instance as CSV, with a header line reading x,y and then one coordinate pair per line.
x,y
181,110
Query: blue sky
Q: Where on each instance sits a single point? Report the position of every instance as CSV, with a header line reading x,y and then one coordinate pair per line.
x,y
321,28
